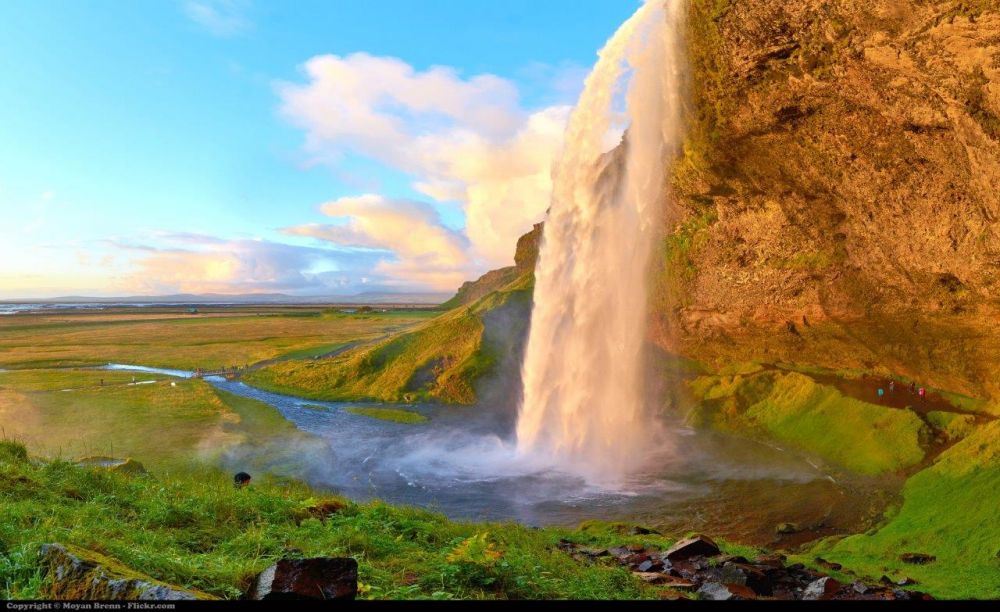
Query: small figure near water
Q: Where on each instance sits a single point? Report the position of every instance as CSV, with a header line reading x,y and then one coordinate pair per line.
x,y
892,387
881,392
241,480
913,388
923,394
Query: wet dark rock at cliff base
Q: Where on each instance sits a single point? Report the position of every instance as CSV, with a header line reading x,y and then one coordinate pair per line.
x,y
696,546
821,589
298,579
721,577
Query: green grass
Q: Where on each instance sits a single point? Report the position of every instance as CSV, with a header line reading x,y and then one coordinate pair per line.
x,y
440,360
955,426
183,341
200,533
390,414
950,511
817,419
164,426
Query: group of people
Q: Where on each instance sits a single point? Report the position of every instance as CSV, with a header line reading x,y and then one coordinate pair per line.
x,y
920,392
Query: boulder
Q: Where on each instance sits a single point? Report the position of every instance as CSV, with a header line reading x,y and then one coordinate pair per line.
x,y
716,591
319,578
75,574
692,547
821,589
745,575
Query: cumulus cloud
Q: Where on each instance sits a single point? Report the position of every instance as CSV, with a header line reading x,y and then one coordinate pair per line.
x,y
464,140
220,17
204,264
412,244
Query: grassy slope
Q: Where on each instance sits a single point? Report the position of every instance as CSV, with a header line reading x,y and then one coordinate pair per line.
x,y
793,409
164,427
393,415
201,533
950,511
441,360
184,342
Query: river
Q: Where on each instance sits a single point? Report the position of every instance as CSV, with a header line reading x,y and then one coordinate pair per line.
x,y
462,463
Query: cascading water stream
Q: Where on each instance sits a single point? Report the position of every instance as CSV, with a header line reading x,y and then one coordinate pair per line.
x,y
585,404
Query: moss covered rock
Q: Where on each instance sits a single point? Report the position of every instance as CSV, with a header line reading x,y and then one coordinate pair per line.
x,y
75,574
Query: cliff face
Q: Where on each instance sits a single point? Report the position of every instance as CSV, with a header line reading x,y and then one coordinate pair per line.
x,y
839,192
524,264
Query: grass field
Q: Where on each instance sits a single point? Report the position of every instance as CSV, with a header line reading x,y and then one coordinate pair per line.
x,y
208,340
390,414
169,425
198,532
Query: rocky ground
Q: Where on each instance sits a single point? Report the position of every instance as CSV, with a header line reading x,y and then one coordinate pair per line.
x,y
695,568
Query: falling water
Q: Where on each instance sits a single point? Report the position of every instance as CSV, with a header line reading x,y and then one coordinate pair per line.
x,y
585,404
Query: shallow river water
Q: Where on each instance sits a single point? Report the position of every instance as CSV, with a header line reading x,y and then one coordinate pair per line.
x,y
462,463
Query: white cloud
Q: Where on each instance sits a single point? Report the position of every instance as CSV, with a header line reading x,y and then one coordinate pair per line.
x,y
415,247
204,264
223,18
465,140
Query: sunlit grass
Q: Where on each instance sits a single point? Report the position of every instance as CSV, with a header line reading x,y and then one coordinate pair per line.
x,y
393,415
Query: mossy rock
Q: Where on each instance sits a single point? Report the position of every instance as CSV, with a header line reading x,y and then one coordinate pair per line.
x,y
127,466
77,574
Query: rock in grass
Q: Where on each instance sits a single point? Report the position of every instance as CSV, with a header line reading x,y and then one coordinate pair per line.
x,y
319,578
130,467
698,546
917,558
74,574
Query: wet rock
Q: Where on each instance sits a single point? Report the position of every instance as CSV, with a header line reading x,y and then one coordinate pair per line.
x,y
821,589
320,578
652,577
596,552
75,574
905,581
697,546
917,558
861,588
650,565
619,552
716,591
745,575
787,528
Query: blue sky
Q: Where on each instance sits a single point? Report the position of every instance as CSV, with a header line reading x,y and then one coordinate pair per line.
x,y
307,147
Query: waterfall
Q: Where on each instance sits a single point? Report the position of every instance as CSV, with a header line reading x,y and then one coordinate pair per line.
x,y
585,405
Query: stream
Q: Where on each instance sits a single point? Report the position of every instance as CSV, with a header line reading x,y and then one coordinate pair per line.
x,y
463,464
